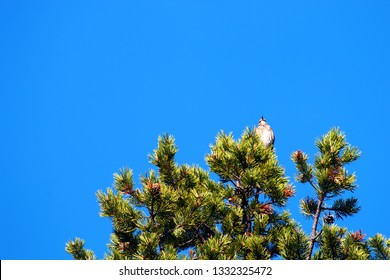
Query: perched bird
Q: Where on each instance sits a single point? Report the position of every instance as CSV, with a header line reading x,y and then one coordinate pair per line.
x,y
265,132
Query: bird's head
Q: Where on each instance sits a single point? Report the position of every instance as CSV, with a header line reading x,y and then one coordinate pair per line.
x,y
262,121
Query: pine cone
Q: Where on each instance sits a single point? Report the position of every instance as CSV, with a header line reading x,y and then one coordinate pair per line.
x,y
156,189
238,191
329,219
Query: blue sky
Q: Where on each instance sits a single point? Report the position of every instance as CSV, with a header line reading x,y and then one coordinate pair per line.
x,y
86,87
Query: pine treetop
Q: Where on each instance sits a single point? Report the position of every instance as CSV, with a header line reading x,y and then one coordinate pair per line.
x,y
179,212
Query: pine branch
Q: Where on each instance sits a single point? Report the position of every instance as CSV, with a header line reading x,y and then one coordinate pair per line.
x,y
308,207
123,181
164,158
293,243
379,247
314,235
329,179
76,249
344,207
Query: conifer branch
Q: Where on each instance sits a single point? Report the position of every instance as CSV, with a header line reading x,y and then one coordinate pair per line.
x,y
314,235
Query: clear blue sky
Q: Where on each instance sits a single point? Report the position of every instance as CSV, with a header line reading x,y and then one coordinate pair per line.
x,y
86,87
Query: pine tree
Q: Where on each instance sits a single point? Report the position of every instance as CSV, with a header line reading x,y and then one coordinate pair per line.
x,y
329,179
180,212
257,187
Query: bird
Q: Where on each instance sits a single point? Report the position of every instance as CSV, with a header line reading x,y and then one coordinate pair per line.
x,y
265,133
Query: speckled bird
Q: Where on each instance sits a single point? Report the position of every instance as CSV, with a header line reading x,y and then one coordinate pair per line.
x,y
265,132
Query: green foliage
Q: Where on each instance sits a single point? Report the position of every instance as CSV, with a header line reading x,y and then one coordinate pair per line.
x,y
175,208
76,249
179,212
123,181
147,247
293,243
249,167
329,179
256,247
338,244
308,206
380,247
169,253
344,207
253,172
216,248
256,187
